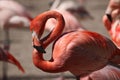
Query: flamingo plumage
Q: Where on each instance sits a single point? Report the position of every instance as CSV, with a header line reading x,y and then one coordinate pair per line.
x,y
87,51
7,57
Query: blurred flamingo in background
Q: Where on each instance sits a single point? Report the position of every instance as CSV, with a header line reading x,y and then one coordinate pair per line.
x,y
71,21
7,57
113,29
73,7
12,14
80,52
15,7
113,5
112,19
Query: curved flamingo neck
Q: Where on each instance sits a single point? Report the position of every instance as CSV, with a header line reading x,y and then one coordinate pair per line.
x,y
37,26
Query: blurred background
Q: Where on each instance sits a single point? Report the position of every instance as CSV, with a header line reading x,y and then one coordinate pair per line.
x,y
21,46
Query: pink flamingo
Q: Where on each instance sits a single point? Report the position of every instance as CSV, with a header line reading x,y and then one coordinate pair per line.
x,y
7,57
12,14
113,30
87,51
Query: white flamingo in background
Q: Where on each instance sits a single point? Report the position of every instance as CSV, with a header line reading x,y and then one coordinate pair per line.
x,y
12,14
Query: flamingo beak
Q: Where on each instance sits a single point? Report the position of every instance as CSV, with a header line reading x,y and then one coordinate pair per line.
x,y
40,49
36,43
109,17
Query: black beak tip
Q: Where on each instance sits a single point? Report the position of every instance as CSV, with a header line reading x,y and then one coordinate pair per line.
x,y
40,49
109,17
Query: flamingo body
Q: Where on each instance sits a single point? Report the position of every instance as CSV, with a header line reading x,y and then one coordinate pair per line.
x,y
75,48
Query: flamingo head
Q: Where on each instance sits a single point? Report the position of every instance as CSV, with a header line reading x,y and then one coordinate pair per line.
x,y
112,6
107,22
36,43
110,19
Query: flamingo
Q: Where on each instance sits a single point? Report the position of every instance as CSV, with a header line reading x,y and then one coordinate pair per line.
x,y
12,14
87,51
113,5
109,72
